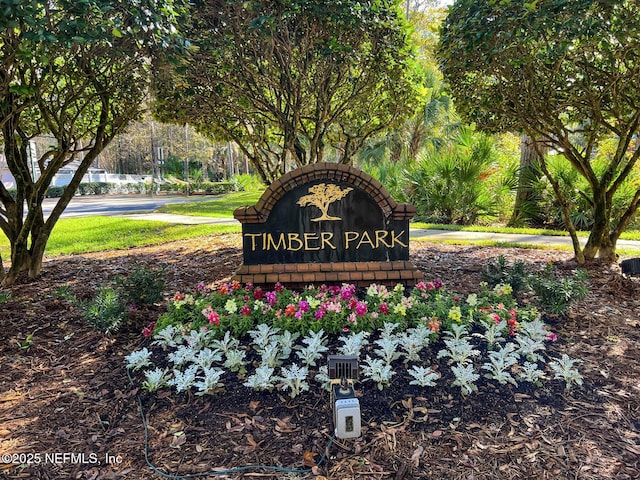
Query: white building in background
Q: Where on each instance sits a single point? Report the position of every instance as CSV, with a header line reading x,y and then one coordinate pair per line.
x,y
65,175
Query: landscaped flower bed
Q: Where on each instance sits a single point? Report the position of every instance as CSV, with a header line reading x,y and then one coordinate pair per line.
x,y
278,339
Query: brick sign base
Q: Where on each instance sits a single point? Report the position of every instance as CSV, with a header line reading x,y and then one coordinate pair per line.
x,y
328,224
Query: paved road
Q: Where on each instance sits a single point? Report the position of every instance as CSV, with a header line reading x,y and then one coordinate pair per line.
x,y
84,206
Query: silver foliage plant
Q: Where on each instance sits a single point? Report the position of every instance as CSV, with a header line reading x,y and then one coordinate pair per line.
x,y
198,361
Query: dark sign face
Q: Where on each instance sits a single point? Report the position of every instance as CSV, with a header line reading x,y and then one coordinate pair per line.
x,y
325,221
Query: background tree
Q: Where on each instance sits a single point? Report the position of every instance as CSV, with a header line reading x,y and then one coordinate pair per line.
x,y
564,73
289,80
77,72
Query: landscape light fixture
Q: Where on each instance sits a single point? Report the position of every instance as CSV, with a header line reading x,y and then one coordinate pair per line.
x,y
343,370
630,266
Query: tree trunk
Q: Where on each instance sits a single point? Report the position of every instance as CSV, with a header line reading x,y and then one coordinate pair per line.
x,y
599,242
526,207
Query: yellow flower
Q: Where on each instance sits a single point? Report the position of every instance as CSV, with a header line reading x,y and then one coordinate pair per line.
x,y
455,314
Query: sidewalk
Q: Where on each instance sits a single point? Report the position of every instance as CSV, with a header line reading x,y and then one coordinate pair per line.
x,y
415,233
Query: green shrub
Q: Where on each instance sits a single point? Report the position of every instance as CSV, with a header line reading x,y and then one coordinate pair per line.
x,y
556,294
499,272
453,184
106,311
248,182
5,297
143,286
55,192
215,188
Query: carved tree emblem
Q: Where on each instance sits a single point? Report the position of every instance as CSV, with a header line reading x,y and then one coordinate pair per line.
x,y
321,196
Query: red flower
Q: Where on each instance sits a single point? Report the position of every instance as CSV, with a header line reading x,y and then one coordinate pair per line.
x,y
223,289
384,308
246,311
147,332
290,310
258,293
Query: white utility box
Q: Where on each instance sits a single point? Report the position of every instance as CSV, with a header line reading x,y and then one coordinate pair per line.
x,y
347,418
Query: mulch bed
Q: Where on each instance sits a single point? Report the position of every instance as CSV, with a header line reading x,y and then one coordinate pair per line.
x,y
68,393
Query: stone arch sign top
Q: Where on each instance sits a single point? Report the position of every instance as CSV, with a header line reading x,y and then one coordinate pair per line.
x,y
326,223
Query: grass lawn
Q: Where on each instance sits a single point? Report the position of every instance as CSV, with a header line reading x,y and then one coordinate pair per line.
x,y
629,235
221,207
91,234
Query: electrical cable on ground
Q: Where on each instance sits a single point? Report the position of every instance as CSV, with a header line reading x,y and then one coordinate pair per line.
x,y
159,472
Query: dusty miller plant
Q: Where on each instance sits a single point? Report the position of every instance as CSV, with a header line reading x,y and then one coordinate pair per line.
x,y
499,362
459,350
465,378
184,380
169,336
262,336
182,355
272,355
388,350
528,348
315,347
235,361
529,372
138,359
376,370
563,369
226,343
209,381
262,379
294,379
423,377
322,377
286,341
206,357
155,379
493,332
413,341
352,344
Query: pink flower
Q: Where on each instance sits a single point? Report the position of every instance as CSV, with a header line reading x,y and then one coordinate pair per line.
x,y
201,288
303,306
361,309
347,292
496,317
214,318
552,337
245,311
437,283
278,287
384,308
271,298
319,314
258,293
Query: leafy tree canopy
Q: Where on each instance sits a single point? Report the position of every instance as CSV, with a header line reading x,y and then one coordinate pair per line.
x,y
565,72
76,72
288,79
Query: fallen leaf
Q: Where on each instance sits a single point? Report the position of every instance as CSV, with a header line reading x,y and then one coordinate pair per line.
x,y
179,439
415,458
308,458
